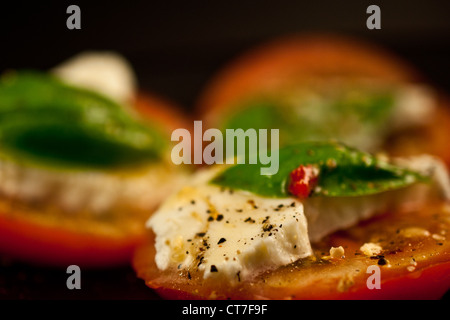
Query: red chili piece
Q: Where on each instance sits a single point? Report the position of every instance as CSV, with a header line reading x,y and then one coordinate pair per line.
x,y
303,181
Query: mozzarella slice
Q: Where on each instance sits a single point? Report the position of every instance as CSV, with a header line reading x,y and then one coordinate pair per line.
x,y
228,234
94,191
415,105
106,72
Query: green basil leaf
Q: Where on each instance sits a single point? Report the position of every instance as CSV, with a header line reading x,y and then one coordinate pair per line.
x,y
45,120
344,172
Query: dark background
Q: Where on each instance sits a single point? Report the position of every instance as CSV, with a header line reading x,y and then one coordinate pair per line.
x,y
175,48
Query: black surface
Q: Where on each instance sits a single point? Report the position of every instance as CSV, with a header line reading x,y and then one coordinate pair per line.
x,y
175,48
21,281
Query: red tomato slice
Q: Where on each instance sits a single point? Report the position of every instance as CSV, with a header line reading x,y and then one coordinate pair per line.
x,y
276,63
38,242
49,240
414,264
290,59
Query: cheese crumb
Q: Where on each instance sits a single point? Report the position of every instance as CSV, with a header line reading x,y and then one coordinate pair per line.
x,y
371,249
337,252
410,268
437,237
414,232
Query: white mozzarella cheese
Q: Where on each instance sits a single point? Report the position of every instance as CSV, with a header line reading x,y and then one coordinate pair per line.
x,y
228,234
106,72
97,192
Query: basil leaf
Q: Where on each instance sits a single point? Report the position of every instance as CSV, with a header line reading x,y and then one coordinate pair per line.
x,y
344,171
44,120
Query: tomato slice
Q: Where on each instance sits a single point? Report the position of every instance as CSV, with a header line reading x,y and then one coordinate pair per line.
x,y
40,243
272,65
414,264
60,241
291,59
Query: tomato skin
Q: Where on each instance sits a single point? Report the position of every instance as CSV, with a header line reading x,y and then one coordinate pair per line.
x,y
428,284
49,244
